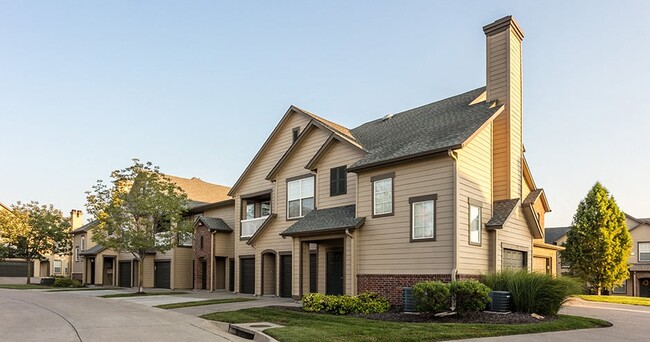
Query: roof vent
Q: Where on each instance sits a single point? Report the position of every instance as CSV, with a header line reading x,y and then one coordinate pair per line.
x,y
386,117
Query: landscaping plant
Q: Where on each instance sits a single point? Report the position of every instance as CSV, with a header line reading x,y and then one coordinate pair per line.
x,y
366,303
469,296
533,292
66,282
431,296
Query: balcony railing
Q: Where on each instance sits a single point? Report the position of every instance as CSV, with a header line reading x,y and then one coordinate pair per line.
x,y
249,227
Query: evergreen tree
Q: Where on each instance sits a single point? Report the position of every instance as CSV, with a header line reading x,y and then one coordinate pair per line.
x,y
599,244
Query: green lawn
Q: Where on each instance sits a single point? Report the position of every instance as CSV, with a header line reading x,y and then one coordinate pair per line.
x,y
135,294
203,302
63,289
24,286
618,299
302,326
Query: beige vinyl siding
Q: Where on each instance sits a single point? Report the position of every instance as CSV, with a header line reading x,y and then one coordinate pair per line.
x,y
294,166
384,243
639,234
182,268
255,181
339,154
516,235
148,271
77,266
224,243
475,184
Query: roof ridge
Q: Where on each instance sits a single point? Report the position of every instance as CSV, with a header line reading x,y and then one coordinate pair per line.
x,y
331,124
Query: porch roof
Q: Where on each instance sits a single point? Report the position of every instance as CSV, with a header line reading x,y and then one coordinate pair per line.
x,y
640,267
501,211
93,250
325,221
214,224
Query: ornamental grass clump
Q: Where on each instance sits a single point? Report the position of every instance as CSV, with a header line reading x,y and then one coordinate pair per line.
x,y
533,292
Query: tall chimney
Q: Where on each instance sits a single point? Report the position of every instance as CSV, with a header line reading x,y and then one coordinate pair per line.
x,y
76,219
503,38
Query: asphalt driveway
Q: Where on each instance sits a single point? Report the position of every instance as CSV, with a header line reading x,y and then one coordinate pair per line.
x,y
27,315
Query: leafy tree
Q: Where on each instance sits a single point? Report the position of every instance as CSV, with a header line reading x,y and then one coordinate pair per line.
x,y
140,213
599,244
30,231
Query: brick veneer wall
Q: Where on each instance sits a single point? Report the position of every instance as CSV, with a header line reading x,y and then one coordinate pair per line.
x,y
200,254
391,285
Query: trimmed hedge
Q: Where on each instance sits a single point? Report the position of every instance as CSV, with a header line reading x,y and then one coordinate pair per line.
x,y
533,292
66,282
366,303
436,296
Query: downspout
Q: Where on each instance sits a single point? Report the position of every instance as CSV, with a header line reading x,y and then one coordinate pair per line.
x,y
347,232
212,261
454,269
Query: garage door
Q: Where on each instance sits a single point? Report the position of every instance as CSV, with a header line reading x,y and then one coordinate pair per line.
x,y
15,269
247,276
514,260
125,274
162,274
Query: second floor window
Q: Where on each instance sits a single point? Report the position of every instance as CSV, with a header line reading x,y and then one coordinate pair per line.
x,y
300,197
76,254
338,181
250,211
382,196
83,243
644,251
474,224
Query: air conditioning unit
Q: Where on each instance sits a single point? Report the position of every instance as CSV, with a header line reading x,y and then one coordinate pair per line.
x,y
500,301
407,299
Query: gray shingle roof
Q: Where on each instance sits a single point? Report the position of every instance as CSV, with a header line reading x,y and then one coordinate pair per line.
x,y
326,220
501,211
431,128
93,250
214,224
532,196
86,227
553,233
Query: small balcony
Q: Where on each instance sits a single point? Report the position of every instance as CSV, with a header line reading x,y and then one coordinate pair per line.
x,y
250,226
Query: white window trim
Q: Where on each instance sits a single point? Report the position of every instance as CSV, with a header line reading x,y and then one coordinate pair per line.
x,y
82,245
76,254
414,201
646,252
300,197
60,266
480,225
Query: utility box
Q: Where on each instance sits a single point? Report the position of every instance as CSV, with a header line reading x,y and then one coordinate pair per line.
x,y
407,299
500,301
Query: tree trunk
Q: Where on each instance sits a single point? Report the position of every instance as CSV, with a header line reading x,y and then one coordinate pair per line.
x,y
598,290
29,268
141,272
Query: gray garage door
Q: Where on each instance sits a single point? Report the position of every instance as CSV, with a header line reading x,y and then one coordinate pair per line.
x,y
513,260
15,269
247,276
162,274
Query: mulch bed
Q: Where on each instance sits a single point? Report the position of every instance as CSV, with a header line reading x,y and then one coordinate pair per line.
x,y
477,317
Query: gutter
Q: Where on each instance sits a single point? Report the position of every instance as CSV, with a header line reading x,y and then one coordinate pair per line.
x,y
454,270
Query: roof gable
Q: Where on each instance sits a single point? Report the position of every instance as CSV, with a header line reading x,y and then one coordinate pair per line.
x,y
433,128
326,148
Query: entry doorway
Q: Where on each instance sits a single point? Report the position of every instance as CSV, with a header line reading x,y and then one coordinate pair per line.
x,y
644,287
204,274
334,273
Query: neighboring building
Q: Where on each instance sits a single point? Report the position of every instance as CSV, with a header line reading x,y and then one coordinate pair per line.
x,y
441,191
96,265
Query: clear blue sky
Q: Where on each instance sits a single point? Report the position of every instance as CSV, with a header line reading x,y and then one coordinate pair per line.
x,y
196,87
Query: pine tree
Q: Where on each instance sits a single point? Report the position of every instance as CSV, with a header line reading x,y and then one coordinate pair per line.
x,y
599,244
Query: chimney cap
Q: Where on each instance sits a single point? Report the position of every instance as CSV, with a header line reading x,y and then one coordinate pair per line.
x,y
501,25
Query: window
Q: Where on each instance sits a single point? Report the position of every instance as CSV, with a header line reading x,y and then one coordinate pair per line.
x,y
621,289
382,195
644,251
83,243
338,180
201,243
513,260
295,133
57,266
76,254
423,217
265,208
250,211
300,197
474,224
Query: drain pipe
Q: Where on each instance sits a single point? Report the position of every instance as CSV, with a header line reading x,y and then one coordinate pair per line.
x,y
454,270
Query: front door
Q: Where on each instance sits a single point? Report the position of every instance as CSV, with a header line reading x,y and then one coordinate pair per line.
x,y
644,287
125,274
162,274
285,276
334,273
91,281
247,276
231,275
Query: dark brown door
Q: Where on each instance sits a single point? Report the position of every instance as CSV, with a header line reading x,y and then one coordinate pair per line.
x,y
313,273
162,274
91,281
125,274
285,276
231,275
644,287
247,276
204,275
334,273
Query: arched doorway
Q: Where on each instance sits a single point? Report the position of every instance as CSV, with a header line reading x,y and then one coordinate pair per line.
x,y
268,272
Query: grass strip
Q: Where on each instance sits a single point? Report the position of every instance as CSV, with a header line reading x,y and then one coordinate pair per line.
x,y
303,326
203,302
24,286
643,301
144,294
65,289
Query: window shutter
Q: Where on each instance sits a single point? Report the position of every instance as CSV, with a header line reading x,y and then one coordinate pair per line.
x,y
334,182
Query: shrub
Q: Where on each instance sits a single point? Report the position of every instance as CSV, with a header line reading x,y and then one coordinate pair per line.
x,y
533,292
367,303
431,296
470,295
66,282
